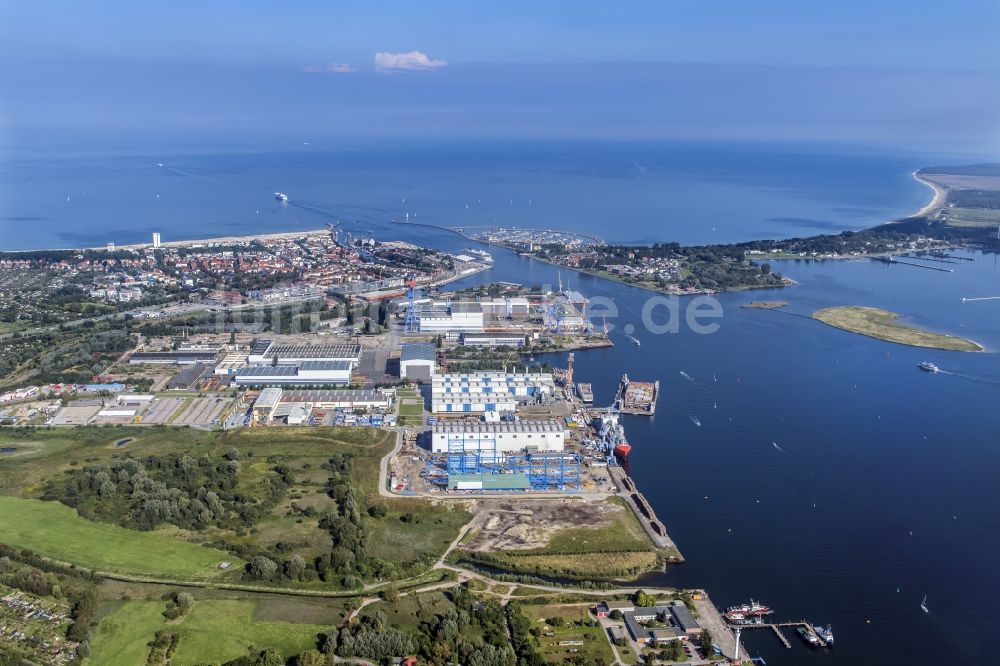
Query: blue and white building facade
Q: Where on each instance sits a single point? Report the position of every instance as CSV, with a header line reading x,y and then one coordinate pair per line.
x,y
480,392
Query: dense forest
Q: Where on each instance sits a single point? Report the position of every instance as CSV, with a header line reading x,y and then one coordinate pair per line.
x,y
192,493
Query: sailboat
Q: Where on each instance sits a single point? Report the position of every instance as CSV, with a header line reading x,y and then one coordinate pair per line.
x,y
923,605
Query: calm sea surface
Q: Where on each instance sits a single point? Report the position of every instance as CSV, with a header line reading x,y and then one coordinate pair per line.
x,y
686,192
829,478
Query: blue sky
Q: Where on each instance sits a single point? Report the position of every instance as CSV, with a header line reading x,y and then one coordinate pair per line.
x,y
877,71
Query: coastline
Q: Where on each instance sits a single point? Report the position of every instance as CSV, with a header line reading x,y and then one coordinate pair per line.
x,y
787,281
936,202
221,240
227,240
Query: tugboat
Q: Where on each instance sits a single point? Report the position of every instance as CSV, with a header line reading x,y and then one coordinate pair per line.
x,y
281,196
825,635
927,366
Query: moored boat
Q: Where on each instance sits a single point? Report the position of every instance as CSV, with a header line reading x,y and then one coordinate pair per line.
x,y
808,636
745,611
825,635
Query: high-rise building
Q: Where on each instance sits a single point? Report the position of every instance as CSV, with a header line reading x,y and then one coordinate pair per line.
x,y
156,239
111,247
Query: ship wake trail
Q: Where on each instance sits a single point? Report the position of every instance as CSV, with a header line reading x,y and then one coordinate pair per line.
x,y
182,172
687,376
775,445
985,380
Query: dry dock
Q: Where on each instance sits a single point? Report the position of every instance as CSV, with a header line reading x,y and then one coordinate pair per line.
x,y
637,397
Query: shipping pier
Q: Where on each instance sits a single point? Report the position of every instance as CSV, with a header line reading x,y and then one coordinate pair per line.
x,y
776,628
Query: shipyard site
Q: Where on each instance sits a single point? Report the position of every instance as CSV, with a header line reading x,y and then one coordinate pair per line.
x,y
478,424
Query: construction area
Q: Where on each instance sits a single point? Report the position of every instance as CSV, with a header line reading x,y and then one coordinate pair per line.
x,y
530,524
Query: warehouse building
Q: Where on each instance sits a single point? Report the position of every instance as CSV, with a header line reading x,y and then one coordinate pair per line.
x,y
480,392
506,308
265,404
501,438
492,340
679,621
134,398
295,354
473,403
230,363
292,413
416,361
258,350
369,286
308,373
188,378
349,399
175,357
444,317
117,412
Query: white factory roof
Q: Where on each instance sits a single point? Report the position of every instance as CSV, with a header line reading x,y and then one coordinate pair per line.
x,y
479,396
327,395
320,366
269,397
498,428
315,351
268,371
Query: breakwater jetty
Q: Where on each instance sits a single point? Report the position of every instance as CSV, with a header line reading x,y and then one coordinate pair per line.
x,y
894,260
656,530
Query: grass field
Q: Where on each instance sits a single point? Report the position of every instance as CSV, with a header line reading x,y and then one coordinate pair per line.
x,y
593,643
577,566
213,631
883,325
14,326
418,543
411,407
622,533
972,217
48,454
56,531
409,611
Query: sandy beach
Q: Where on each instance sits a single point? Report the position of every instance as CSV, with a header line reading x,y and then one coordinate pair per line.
x,y
940,193
226,240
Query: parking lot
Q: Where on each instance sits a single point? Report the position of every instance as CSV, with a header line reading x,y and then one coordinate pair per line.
x,y
79,412
201,411
161,409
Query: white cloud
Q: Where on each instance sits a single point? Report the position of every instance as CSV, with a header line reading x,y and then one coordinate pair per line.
x,y
412,61
333,67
